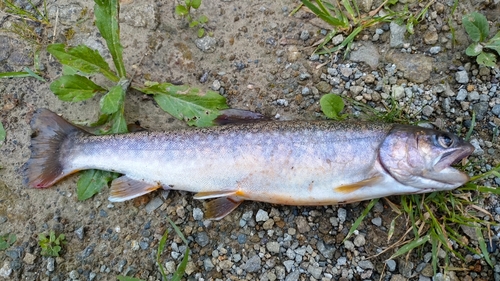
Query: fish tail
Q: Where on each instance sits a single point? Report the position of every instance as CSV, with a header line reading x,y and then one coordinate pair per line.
x,y
46,165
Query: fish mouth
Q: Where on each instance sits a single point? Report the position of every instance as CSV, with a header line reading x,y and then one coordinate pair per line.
x,y
453,157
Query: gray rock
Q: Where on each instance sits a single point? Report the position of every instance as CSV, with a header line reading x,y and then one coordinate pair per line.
x,y
332,71
315,271
366,264
197,214
288,265
293,276
356,90
304,35
207,264
348,245
306,91
435,50
138,14
80,232
427,110
153,205
496,110
206,44
377,221
273,247
242,238
51,264
73,274
462,77
462,94
398,92
261,216
431,36
304,76
5,47
342,215
416,68
252,264
391,265
67,14
397,35
325,250
345,71
341,261
290,253
337,39
302,224
473,96
406,268
359,240
202,239
480,108
366,53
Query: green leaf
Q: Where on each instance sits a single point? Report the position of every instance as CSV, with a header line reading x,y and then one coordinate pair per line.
x,y
482,245
410,246
91,182
83,59
2,133
7,240
118,123
487,59
182,266
186,103
107,21
476,26
201,32
494,43
474,49
203,19
332,105
195,3
111,102
161,246
361,218
193,23
74,88
181,10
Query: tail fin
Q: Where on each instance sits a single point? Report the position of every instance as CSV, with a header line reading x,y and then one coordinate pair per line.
x,y
50,131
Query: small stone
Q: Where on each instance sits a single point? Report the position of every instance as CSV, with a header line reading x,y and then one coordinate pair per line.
x,y
273,247
473,96
197,214
207,263
304,76
29,258
80,232
369,79
359,240
323,87
435,50
302,224
406,268
252,264
346,71
304,35
377,221
50,264
391,265
242,238
397,35
398,92
427,110
431,36
462,94
261,215
477,148
202,239
341,261
216,85
338,39
356,90
153,205
293,54
315,271
206,44
366,264
462,77
268,224
306,91
348,245
5,271
342,215
288,265
496,110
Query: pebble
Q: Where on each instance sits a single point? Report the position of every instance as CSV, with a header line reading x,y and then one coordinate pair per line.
x,y
462,77
341,261
293,276
341,215
202,239
397,35
391,265
50,264
207,263
427,110
315,271
496,110
29,258
302,224
348,245
273,247
306,91
197,214
359,240
153,205
252,264
398,92
304,35
73,274
462,94
206,44
435,50
366,264
336,40
261,216
377,221
477,148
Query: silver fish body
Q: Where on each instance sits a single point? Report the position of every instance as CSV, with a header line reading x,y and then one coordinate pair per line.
x,y
294,162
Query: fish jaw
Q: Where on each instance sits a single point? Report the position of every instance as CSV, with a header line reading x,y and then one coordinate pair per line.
x,y
422,158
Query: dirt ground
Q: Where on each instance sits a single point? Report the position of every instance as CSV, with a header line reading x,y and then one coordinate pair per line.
x,y
258,56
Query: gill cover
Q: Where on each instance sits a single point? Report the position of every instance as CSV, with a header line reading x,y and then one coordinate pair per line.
x,y
421,157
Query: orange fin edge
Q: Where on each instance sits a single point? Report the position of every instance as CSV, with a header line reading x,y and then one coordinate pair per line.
x,y
348,188
125,188
221,207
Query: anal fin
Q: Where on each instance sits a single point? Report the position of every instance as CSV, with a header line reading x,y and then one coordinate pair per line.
x,y
221,207
125,188
348,188
214,194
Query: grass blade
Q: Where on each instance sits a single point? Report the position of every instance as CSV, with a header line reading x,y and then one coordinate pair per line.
x,y
410,246
161,246
182,266
2,133
361,218
482,246
107,21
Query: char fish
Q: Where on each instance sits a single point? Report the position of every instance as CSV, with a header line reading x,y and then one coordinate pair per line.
x,y
287,162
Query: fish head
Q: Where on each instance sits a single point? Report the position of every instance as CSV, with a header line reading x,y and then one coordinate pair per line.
x,y
422,158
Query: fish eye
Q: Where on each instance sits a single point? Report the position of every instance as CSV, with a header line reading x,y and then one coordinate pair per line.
x,y
445,141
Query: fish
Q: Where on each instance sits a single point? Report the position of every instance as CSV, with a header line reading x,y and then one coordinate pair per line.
x,y
308,163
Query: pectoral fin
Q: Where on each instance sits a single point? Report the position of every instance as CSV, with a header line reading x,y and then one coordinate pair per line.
x,y
348,188
221,207
125,188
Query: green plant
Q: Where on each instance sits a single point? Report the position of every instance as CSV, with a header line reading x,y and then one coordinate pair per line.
x,y
2,133
51,245
476,25
161,246
185,11
80,63
332,106
7,240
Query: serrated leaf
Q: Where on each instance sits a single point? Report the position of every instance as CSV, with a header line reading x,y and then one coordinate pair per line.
x,y
118,123
332,105
187,103
107,21
494,43
91,182
83,59
74,88
68,70
2,134
111,102
487,59
476,26
474,49
181,10
195,3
